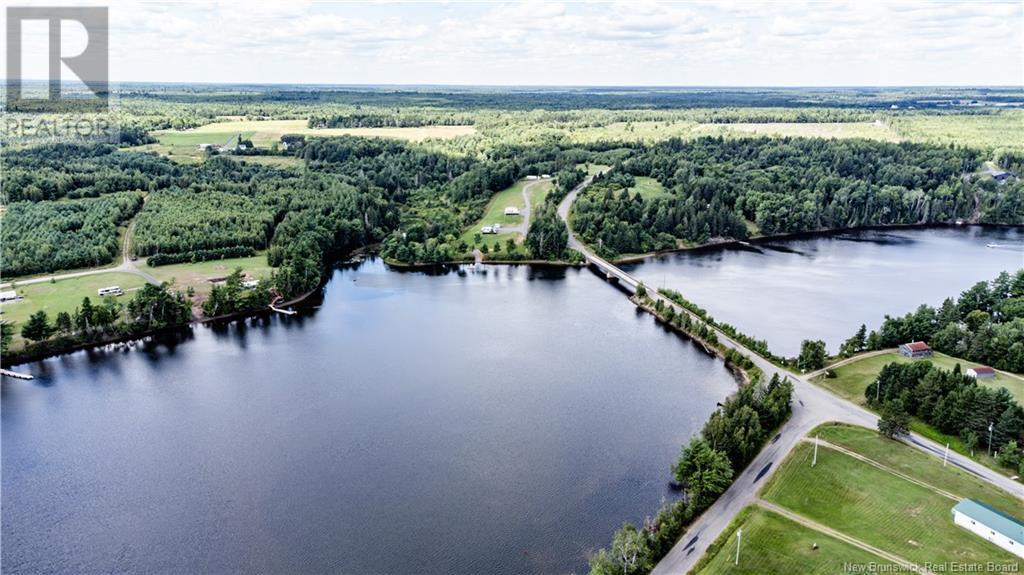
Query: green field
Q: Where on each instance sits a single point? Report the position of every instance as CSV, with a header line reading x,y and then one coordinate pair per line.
x,y
916,464
869,130
538,192
874,506
264,133
853,378
647,188
494,213
986,131
63,295
774,544
197,275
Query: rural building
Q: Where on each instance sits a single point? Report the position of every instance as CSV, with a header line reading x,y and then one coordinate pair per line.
x,y
981,372
991,524
916,349
1003,176
10,295
511,211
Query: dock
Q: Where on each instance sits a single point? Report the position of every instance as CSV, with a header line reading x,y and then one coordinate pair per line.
x,y
15,374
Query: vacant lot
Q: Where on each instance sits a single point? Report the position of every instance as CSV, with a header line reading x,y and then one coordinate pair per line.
x,y
870,130
495,213
774,544
64,295
198,275
916,464
877,507
648,188
853,378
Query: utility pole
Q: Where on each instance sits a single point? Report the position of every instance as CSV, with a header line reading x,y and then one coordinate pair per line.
x,y
945,455
739,536
990,439
878,388
815,460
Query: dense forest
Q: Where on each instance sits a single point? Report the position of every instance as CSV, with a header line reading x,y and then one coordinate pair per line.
x,y
955,404
48,236
985,325
732,188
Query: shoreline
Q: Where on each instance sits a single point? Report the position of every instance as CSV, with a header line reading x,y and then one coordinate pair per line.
x,y
357,255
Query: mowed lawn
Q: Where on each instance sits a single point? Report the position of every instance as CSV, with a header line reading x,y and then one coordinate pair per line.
x,y
772,543
64,295
198,275
916,464
876,507
494,213
853,378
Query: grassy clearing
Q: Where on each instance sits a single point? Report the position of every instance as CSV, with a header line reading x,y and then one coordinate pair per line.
x,y
648,188
916,464
869,130
774,544
495,214
987,131
538,192
264,133
631,131
853,378
877,507
594,169
198,275
63,295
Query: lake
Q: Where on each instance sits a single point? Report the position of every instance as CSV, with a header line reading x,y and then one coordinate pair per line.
x,y
825,287
502,421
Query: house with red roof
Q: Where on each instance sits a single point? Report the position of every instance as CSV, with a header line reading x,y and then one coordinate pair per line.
x,y
981,372
916,350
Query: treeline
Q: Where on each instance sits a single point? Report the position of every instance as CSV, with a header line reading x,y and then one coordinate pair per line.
x,y
727,188
984,325
707,466
398,119
54,171
954,404
151,308
233,297
49,236
161,259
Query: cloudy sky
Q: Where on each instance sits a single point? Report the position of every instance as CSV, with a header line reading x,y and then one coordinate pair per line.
x,y
718,43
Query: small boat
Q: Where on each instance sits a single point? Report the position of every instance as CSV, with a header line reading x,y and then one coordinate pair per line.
x,y
991,245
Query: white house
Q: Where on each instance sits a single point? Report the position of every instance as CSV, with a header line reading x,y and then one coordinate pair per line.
x,y
991,524
9,295
511,211
981,372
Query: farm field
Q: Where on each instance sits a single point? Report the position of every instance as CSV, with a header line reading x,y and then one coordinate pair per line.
x,y
63,295
853,378
987,131
870,130
197,275
772,543
886,511
265,133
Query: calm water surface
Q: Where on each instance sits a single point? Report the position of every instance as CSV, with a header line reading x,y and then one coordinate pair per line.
x,y
497,422
825,287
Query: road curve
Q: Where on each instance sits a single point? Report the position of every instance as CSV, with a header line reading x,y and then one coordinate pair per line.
x,y
812,406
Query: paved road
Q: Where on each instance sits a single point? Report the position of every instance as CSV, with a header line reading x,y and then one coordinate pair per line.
x,y
812,406
126,266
